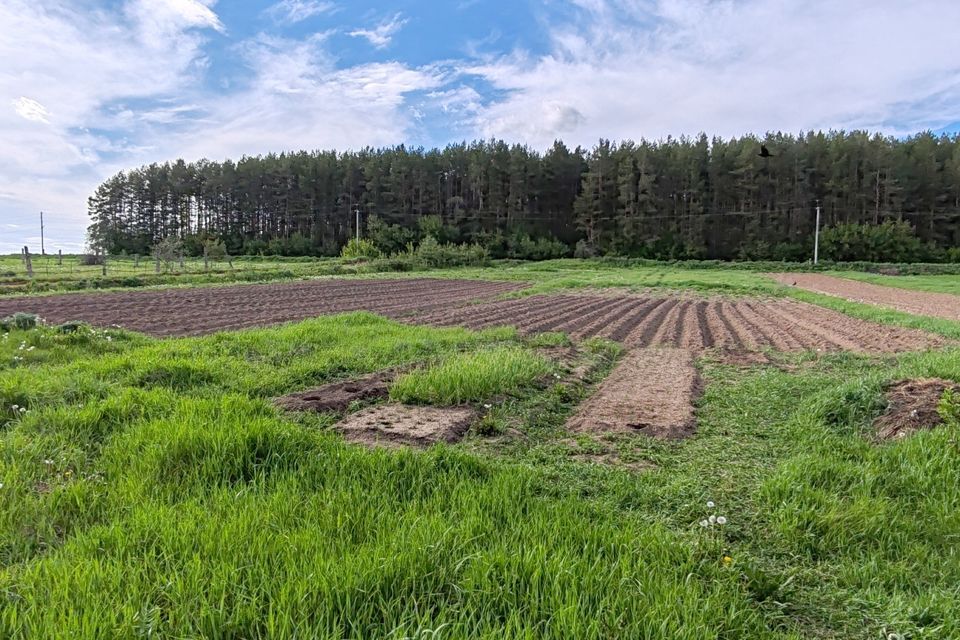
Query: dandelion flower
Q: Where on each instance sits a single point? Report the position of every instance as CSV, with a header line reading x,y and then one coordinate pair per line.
x,y
1,485
710,504
48,461
704,523
23,409
721,520
712,519
727,561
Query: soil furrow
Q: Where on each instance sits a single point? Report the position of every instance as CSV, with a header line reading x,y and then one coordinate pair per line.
x,y
623,328
643,333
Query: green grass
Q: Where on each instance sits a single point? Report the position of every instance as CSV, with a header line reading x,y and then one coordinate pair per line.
x,y
559,275
151,489
471,377
932,284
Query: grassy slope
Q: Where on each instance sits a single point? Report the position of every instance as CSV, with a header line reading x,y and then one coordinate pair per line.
x,y
935,284
150,488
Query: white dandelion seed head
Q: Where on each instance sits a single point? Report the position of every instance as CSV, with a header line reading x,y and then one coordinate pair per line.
x,y
712,519
710,504
721,520
704,523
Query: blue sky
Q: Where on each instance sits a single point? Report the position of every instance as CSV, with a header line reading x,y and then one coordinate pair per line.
x,y
91,87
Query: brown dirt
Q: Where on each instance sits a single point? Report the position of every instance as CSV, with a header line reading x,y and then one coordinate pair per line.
x,y
912,406
338,396
650,392
735,324
203,310
922,303
393,425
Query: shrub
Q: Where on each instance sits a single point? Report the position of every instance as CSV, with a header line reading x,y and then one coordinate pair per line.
x,y
168,250
21,321
362,248
432,254
584,250
891,241
92,260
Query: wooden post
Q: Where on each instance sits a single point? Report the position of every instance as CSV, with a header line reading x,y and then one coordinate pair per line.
x,y
59,257
104,265
206,259
157,268
27,261
136,261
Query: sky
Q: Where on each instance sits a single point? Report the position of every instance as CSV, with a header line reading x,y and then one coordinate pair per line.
x,y
89,88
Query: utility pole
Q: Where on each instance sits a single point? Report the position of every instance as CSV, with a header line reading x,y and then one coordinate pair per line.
x,y
43,250
816,237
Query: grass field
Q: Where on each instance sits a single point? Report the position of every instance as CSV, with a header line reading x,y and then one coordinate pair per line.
x,y
933,284
150,489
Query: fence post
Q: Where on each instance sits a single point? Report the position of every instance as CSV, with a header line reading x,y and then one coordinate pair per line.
x,y
104,265
157,256
27,261
59,257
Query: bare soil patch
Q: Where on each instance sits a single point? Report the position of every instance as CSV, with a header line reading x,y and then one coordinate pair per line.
x,y
923,303
650,392
338,396
736,325
392,425
204,310
912,406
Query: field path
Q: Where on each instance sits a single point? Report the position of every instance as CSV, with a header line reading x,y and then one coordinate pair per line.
x,y
922,303
650,392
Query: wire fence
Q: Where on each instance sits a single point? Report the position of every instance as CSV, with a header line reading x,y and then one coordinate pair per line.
x,y
31,267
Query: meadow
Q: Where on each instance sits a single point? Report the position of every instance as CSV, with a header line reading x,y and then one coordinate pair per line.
x,y
149,487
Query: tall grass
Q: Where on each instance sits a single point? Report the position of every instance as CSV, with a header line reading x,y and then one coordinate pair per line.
x,y
471,377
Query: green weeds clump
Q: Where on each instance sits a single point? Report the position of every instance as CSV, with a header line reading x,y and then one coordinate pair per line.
x,y
471,377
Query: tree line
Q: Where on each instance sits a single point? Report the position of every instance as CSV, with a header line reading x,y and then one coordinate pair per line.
x,y
687,197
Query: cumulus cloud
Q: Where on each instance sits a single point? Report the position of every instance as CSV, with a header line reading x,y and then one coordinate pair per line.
x,y
632,68
382,35
30,109
294,11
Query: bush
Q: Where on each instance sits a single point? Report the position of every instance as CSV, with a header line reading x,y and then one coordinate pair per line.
x,y
21,321
92,260
389,238
891,241
584,250
362,248
432,254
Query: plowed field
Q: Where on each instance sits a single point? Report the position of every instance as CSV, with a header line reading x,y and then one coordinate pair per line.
x,y
738,324
184,312
923,303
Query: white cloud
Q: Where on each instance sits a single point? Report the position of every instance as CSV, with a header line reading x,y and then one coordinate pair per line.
x,y
632,68
294,11
381,35
30,109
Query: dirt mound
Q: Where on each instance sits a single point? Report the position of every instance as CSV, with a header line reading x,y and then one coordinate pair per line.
x,y
692,323
203,310
941,305
393,425
338,396
911,406
650,392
